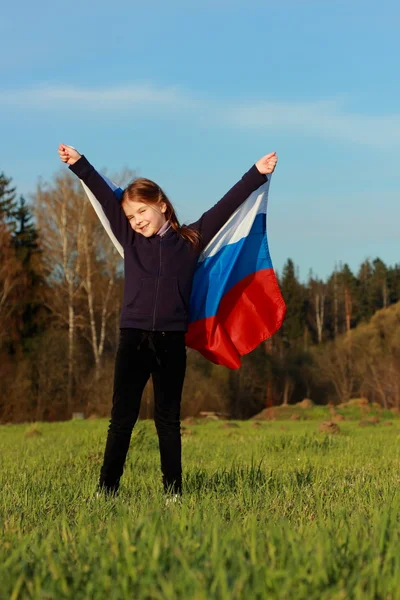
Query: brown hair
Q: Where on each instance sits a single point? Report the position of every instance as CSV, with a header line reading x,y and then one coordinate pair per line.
x,y
145,190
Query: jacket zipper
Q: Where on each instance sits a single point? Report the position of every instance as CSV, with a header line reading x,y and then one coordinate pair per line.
x,y
158,281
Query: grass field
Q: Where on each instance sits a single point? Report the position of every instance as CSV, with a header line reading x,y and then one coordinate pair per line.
x,y
277,510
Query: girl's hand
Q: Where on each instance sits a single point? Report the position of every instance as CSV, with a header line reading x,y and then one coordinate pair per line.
x,y
267,164
68,154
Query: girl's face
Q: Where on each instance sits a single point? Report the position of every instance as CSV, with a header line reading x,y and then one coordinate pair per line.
x,y
145,219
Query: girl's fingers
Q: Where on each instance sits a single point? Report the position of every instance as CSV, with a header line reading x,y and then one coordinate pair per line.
x,y
63,152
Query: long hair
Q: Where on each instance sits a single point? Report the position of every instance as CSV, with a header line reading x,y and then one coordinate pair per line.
x,y
145,190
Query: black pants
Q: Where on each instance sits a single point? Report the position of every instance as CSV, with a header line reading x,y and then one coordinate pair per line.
x,y
141,354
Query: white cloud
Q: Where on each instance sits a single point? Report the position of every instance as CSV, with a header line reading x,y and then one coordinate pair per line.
x,y
93,99
328,119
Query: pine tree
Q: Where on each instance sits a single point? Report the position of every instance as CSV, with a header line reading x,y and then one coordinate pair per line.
x,y
294,295
366,306
25,235
25,242
7,198
348,285
394,283
380,284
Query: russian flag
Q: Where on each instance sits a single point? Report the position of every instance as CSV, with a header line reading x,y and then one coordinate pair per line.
x,y
236,302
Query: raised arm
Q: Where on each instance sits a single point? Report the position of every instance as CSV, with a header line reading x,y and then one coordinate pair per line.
x,y
101,190
213,219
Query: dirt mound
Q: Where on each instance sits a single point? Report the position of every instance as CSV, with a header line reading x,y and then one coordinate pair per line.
x,y
213,415
354,402
229,425
283,412
328,427
337,417
33,431
186,431
306,403
190,421
268,414
369,421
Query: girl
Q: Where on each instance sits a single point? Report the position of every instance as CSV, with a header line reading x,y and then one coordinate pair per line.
x,y
160,257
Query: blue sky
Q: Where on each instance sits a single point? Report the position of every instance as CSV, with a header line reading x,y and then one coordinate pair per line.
x,y
192,94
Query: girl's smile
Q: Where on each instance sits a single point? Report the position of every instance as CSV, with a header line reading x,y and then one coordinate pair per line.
x,y
145,219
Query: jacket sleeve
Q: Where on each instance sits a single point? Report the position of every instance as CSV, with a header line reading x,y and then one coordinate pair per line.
x,y
212,220
106,197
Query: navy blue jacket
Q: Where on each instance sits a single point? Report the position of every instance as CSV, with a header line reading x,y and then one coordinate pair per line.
x,y
159,270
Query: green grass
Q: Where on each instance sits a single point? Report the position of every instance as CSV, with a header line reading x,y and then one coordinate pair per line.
x,y
276,511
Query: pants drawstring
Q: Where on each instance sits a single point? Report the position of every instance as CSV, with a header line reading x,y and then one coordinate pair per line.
x,y
148,336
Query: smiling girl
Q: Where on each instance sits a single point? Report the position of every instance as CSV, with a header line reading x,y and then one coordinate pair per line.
x,y
160,257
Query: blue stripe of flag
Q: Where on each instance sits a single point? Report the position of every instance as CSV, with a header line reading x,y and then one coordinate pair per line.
x,y
218,274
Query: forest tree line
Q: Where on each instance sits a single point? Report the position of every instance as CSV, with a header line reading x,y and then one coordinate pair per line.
x,y
60,299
